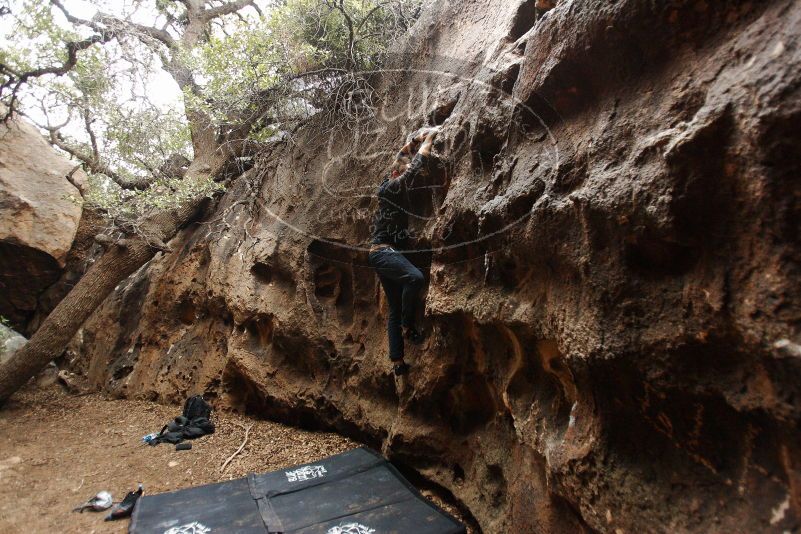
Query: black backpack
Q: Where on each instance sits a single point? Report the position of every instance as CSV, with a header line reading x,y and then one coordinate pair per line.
x,y
195,407
194,423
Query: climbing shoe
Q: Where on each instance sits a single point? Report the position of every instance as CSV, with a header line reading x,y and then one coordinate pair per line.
x,y
414,335
400,368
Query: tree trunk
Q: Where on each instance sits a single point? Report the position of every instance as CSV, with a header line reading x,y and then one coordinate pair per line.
x,y
64,321
117,264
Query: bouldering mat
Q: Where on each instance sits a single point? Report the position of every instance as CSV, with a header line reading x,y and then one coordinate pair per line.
x,y
356,492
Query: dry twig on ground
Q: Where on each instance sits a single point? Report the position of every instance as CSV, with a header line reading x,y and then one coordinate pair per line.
x,y
242,446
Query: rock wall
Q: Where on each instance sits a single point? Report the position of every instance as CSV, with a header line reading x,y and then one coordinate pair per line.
x,y
40,209
611,241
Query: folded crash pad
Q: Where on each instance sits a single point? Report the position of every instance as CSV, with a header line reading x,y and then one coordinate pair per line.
x,y
356,492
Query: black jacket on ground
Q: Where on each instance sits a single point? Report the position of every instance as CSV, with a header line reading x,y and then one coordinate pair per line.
x,y
391,222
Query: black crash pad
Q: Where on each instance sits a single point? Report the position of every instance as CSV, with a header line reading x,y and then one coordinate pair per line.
x,y
356,492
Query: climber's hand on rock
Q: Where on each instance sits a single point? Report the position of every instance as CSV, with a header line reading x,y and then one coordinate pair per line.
x,y
432,134
419,136
423,133
425,148
409,149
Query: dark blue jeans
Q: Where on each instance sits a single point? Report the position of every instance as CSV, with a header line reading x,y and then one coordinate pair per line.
x,y
402,282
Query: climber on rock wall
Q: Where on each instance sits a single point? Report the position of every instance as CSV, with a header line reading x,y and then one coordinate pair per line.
x,y
400,279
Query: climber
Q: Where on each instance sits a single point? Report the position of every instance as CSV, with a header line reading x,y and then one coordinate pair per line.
x,y
400,279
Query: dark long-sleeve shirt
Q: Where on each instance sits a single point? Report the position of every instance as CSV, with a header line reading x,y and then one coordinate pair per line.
x,y
391,222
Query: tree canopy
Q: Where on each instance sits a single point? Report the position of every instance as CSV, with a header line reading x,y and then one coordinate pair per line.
x,y
125,87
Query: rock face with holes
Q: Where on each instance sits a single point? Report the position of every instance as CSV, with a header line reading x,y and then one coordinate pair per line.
x,y
610,235
39,216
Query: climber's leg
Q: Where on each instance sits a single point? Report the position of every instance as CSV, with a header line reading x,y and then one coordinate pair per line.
x,y
412,284
394,294
395,266
402,282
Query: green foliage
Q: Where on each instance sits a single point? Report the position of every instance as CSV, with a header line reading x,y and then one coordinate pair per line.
x,y
301,57
233,68
298,56
122,205
108,85
142,138
90,77
37,40
352,34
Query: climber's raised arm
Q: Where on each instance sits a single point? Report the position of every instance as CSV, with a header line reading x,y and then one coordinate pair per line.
x,y
407,167
428,142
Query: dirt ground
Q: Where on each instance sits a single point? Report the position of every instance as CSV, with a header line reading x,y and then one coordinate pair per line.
x,y
57,450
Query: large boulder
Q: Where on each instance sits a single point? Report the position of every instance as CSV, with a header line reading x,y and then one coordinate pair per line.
x,y
39,214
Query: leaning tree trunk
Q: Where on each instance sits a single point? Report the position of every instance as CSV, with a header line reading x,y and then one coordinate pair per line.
x,y
117,264
64,321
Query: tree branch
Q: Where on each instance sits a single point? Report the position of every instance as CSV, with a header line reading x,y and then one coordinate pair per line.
x,y
87,122
15,80
73,19
104,23
154,33
77,185
340,6
370,14
94,165
58,140
225,9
